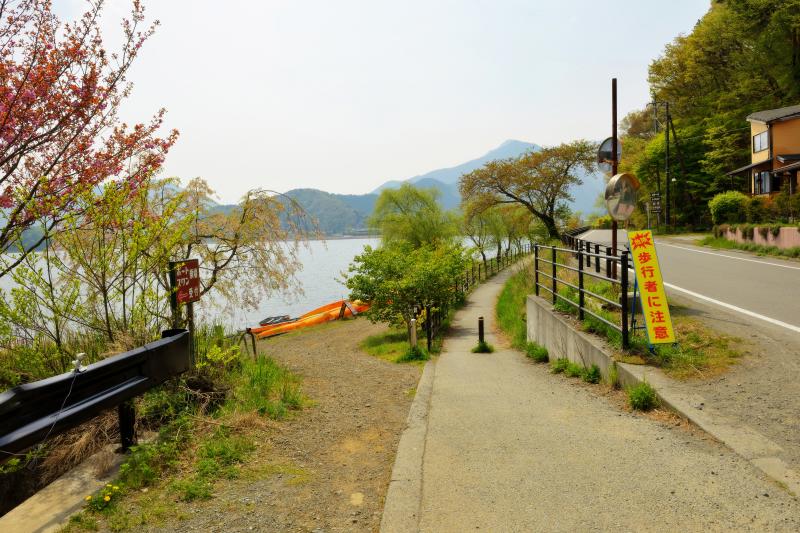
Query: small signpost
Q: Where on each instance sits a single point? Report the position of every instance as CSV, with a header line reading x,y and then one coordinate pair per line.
x,y
184,280
655,202
655,307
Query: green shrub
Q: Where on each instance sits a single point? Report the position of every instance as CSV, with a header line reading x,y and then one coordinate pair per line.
x,y
559,365
483,347
592,374
642,397
758,210
728,207
536,352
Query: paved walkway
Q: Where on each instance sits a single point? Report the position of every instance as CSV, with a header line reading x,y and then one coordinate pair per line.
x,y
496,443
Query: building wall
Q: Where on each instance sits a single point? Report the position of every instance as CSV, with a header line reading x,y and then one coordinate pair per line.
x,y
756,128
785,139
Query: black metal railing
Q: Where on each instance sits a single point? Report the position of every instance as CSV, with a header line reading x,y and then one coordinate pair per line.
x,y
32,412
546,264
477,272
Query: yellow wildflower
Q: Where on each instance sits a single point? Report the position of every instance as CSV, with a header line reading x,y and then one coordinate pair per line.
x,y
88,498
106,498
115,487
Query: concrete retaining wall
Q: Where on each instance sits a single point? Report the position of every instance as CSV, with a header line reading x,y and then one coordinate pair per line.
x,y
553,331
788,237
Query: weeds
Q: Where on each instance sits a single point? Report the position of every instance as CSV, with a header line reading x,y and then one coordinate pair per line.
x,y
483,347
642,397
557,366
592,374
537,353
573,370
416,353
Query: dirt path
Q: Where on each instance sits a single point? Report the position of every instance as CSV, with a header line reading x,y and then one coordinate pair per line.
x,y
328,468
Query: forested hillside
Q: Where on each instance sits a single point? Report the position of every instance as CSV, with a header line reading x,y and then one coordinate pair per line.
x,y
742,56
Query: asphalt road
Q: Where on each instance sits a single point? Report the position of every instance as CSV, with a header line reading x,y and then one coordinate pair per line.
x,y
764,289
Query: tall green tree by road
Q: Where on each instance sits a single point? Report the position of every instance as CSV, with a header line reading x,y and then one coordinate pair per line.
x,y
742,56
412,216
539,181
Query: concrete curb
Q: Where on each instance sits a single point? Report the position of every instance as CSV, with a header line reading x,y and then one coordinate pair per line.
x,y
50,509
558,335
401,508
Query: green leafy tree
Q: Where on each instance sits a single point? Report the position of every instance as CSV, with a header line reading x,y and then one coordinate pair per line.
x,y
414,216
539,181
400,280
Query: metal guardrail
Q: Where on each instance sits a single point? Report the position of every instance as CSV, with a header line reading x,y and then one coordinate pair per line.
x,y
583,269
474,275
32,412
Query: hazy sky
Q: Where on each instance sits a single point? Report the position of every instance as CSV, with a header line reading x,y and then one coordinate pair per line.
x,y
343,95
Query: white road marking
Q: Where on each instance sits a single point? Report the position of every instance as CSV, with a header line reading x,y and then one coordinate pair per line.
x,y
734,308
729,256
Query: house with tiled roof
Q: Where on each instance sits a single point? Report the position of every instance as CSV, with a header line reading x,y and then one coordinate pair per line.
x,y
775,151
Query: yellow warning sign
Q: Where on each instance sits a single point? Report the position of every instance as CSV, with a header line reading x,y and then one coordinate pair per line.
x,y
651,287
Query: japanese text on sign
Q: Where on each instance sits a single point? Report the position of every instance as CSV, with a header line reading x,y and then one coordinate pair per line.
x,y
651,287
187,280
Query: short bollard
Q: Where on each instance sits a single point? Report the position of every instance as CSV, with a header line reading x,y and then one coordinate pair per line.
x,y
413,332
480,330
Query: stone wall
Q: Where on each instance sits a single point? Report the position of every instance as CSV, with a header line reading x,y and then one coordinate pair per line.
x,y
788,237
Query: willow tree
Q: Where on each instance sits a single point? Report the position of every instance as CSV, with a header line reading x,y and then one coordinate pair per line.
x,y
414,216
539,181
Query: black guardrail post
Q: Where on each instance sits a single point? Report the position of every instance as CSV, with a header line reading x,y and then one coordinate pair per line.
x,y
624,302
581,297
555,286
588,257
609,274
536,268
480,329
428,327
597,259
127,425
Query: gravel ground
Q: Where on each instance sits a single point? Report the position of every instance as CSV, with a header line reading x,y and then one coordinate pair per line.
x,y
511,447
328,468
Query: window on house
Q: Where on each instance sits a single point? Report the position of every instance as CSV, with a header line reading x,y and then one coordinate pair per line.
x,y
760,142
763,183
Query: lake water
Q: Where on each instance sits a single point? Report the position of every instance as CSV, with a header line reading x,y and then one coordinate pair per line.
x,y
323,265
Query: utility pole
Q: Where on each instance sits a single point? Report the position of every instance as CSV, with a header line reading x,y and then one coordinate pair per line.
x,y
614,166
666,163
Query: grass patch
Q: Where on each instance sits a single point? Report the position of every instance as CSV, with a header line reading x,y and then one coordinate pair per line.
x,y
642,397
390,345
721,243
510,308
592,374
417,353
557,366
209,437
483,347
536,352
573,370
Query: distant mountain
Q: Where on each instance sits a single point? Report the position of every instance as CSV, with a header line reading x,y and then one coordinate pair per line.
x,y
450,176
340,214
336,214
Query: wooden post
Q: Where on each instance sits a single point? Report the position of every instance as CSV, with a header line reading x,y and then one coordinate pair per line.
x,y
428,326
480,329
